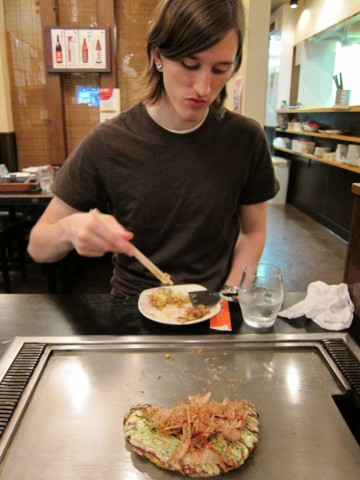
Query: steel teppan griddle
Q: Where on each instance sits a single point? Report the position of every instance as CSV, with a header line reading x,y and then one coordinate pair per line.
x,y
62,401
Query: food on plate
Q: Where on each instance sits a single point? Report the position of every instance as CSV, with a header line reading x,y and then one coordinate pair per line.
x,y
193,313
165,296
199,438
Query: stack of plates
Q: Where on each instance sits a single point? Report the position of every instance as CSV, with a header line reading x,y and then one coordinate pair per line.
x,y
353,155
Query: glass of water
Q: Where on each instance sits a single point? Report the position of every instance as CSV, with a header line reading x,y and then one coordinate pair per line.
x,y
261,294
46,175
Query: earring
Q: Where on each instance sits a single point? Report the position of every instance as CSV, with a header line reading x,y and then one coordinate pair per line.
x,y
159,66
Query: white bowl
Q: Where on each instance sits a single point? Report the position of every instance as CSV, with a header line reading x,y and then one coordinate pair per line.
x,y
308,128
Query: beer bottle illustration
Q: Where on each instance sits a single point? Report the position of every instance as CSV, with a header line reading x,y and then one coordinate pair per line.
x,y
69,48
85,51
98,53
58,51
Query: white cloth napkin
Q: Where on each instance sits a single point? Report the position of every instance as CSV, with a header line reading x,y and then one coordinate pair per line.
x,y
329,306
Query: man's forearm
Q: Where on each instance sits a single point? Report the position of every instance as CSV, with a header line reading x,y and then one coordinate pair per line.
x,y
248,250
48,243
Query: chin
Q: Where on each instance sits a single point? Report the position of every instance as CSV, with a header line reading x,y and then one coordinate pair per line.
x,y
193,118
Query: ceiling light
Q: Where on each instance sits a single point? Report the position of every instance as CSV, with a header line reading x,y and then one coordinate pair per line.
x,y
293,3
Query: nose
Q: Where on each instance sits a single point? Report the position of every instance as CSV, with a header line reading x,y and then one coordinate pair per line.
x,y
202,83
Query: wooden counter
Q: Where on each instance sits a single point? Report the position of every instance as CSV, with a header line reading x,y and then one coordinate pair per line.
x,y
356,188
352,268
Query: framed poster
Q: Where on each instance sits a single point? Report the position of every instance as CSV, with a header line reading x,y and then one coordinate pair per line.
x,y
84,49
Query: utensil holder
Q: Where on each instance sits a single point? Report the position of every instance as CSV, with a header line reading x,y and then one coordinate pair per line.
x,y
342,97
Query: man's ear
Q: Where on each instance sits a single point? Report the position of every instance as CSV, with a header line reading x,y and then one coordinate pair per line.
x,y
156,54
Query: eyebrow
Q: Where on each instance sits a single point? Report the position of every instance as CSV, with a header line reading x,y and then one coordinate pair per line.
x,y
224,62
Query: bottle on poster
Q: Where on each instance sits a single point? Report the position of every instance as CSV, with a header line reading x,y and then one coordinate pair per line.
x,y
85,51
58,50
71,48
99,48
86,48
98,51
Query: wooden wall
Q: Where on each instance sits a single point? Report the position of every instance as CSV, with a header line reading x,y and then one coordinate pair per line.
x,y
48,122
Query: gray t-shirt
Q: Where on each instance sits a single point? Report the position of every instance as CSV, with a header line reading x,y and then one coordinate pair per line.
x,y
179,194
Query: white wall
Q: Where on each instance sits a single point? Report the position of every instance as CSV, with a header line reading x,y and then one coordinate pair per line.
x,y
279,81
320,60
297,25
315,82
289,18
255,61
311,17
6,120
318,15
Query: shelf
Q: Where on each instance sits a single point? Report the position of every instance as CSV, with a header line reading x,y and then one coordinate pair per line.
x,y
344,166
356,188
345,108
345,138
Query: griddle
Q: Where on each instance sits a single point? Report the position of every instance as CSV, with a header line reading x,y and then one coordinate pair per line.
x,y
63,399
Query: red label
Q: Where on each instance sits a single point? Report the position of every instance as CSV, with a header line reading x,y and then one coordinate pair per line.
x,y
222,320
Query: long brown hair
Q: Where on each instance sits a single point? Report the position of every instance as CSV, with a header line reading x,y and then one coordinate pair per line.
x,y
180,28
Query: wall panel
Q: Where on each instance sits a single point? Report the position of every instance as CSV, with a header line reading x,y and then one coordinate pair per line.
x,y
48,121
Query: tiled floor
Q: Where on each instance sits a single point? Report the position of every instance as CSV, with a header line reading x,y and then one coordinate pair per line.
x,y
303,249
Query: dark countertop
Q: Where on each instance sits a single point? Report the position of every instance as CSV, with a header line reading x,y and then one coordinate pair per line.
x,y
104,314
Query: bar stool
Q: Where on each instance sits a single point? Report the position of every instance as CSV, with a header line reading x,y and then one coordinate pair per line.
x,y
12,249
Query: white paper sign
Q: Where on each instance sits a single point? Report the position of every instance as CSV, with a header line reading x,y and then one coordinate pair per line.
x,y
110,104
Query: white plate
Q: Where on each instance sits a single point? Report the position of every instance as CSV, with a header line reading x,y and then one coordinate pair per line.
x,y
34,169
331,132
168,315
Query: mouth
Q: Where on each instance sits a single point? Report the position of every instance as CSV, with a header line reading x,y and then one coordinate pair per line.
x,y
196,102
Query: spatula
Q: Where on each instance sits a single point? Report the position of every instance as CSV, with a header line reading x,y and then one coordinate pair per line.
x,y
209,298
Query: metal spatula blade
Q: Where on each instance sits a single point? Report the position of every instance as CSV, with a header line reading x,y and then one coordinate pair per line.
x,y
208,298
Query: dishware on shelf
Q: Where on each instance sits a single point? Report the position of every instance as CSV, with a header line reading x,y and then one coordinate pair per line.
x,y
341,152
320,151
353,155
261,294
282,142
310,127
294,126
329,156
332,132
303,146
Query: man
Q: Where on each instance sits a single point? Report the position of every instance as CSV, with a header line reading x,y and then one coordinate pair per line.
x,y
179,176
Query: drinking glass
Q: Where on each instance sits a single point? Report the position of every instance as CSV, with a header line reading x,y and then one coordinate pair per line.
x,y
261,294
46,176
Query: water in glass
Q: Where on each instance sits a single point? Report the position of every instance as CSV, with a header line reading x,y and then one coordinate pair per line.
x,y
46,176
261,294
